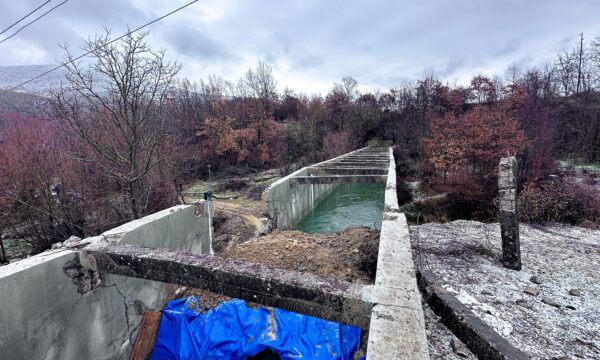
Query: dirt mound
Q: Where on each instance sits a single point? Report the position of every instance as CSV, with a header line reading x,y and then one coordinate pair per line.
x,y
350,255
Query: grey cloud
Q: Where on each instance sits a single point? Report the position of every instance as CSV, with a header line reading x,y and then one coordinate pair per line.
x,y
308,62
323,40
195,43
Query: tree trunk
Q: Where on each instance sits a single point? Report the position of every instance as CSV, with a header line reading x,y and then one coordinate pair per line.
x,y
2,253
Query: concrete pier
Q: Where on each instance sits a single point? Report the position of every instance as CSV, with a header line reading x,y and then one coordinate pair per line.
x,y
509,220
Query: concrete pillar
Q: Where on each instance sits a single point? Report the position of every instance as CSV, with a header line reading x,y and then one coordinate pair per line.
x,y
509,221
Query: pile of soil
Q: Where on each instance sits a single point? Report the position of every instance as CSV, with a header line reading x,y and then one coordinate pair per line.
x,y
349,255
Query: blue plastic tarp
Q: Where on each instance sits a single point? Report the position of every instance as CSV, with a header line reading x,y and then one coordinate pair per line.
x,y
233,330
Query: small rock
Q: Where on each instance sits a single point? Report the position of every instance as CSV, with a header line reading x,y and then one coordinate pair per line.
x,y
72,241
550,302
486,292
521,302
575,292
180,290
355,251
57,245
536,280
459,348
502,327
264,226
532,290
466,298
319,241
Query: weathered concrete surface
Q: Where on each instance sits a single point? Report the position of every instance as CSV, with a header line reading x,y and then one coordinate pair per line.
x,y
397,331
391,196
43,316
397,328
300,292
304,293
339,179
509,220
292,197
344,170
481,339
288,203
181,227
464,255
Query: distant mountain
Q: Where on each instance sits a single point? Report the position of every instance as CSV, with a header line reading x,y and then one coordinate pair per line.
x,y
14,75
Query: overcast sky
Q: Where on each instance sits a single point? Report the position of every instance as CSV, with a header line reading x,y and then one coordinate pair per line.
x,y
312,44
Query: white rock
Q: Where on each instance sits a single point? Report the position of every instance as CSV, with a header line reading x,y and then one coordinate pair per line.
x,y
73,240
502,327
450,289
465,298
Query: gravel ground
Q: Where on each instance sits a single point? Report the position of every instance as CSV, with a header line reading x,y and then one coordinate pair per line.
x,y
558,317
442,342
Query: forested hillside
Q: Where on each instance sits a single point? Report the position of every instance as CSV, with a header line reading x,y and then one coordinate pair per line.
x,y
92,154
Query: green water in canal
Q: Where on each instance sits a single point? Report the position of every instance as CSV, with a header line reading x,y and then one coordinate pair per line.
x,y
349,205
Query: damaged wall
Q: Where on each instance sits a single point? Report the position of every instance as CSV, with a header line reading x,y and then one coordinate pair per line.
x,y
43,315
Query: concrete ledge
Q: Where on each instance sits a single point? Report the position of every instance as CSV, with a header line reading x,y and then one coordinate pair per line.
x,y
339,179
358,163
397,327
342,170
481,339
304,293
393,334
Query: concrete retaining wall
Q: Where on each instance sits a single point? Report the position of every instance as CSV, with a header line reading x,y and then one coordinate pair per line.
x,y
288,202
397,329
42,316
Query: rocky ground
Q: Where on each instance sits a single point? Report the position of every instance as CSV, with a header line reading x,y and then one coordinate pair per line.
x,y
549,310
442,342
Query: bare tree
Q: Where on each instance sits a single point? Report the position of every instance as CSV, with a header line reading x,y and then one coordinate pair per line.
x,y
117,107
348,87
566,72
261,85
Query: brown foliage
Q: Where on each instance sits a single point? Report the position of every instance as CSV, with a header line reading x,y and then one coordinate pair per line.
x,y
560,201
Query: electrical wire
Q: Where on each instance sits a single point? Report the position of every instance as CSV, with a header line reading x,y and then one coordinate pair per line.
x,y
31,22
89,52
24,17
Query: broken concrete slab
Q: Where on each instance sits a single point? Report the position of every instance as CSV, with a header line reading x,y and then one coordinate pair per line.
x,y
304,293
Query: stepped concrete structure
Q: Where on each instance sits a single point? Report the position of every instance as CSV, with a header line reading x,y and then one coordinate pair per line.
x,y
86,301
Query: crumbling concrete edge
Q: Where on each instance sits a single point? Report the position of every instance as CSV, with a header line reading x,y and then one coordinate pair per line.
x,y
397,329
481,339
